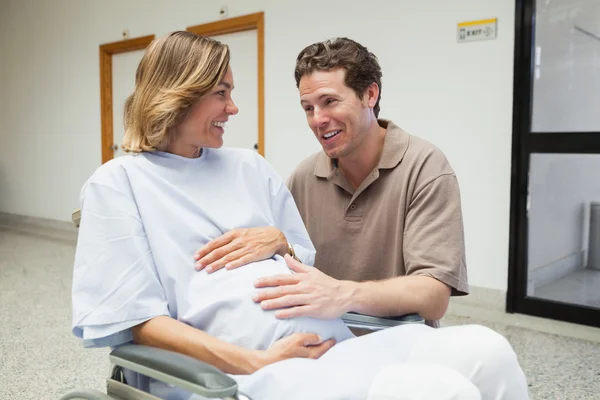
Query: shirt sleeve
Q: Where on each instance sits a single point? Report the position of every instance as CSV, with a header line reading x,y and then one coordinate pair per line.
x,y
287,217
115,282
434,235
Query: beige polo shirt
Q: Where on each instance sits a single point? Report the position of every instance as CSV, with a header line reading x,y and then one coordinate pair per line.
x,y
404,219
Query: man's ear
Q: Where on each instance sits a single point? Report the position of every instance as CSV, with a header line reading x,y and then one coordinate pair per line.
x,y
372,94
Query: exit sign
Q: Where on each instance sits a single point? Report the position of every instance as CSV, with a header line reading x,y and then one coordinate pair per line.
x,y
471,31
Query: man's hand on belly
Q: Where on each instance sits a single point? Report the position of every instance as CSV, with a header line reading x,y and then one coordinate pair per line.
x,y
307,293
239,247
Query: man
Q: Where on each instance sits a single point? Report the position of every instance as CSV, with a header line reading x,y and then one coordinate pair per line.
x,y
382,208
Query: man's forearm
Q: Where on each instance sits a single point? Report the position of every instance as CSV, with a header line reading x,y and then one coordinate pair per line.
x,y
169,334
423,295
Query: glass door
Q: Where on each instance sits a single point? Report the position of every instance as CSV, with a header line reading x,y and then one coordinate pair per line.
x,y
555,211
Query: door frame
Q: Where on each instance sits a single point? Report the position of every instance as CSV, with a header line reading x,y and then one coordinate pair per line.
x,y
107,50
241,24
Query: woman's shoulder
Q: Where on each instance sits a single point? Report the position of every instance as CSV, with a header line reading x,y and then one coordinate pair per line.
x,y
116,167
247,162
115,173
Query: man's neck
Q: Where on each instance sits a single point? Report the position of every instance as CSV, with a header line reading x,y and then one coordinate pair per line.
x,y
357,166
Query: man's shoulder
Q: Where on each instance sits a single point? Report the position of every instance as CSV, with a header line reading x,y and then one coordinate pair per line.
x,y
425,156
422,149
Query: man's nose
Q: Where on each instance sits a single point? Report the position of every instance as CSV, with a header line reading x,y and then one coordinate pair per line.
x,y
320,117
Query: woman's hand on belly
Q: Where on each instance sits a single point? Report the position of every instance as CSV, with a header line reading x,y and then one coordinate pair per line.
x,y
297,345
239,247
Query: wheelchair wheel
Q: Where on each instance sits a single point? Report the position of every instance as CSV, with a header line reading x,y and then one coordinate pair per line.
x,y
118,375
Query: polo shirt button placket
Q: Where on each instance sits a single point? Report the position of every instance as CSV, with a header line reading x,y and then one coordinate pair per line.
x,y
352,213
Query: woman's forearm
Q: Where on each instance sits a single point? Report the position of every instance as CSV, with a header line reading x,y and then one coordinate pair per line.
x,y
169,334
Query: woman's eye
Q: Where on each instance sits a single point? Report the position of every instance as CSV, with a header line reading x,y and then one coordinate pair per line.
x,y
329,101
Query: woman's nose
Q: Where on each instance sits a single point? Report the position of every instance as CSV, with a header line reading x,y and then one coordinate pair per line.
x,y
232,108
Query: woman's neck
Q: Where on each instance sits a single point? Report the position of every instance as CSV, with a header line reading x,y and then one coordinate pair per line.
x,y
184,150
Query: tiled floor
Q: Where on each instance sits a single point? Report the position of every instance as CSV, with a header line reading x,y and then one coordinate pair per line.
x,y
580,287
556,367
40,359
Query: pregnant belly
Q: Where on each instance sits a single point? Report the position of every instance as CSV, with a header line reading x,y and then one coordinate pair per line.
x,y
221,305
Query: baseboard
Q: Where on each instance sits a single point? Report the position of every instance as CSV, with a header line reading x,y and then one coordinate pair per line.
x,y
38,226
485,298
488,307
554,271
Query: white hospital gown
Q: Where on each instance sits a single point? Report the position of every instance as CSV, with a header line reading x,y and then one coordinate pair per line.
x,y
143,218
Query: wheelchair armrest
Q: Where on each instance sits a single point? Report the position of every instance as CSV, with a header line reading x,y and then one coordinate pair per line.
x,y
369,322
177,369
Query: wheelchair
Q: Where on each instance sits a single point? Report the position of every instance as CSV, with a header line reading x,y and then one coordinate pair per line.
x,y
192,374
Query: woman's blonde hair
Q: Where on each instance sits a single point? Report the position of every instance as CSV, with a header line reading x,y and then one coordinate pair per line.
x,y
176,71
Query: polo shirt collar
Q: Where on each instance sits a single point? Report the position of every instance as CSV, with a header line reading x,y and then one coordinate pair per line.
x,y
394,147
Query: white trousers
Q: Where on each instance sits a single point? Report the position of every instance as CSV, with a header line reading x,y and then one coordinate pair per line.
x,y
408,362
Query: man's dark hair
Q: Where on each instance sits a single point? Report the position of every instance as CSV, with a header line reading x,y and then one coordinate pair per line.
x,y
361,66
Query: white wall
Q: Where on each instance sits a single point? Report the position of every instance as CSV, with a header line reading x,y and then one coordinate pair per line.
x,y
53,143
458,96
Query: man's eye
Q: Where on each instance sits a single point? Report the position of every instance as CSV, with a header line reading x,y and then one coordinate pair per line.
x,y
329,101
307,109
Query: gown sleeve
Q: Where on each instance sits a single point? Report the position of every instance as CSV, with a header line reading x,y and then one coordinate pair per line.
x,y
287,217
115,282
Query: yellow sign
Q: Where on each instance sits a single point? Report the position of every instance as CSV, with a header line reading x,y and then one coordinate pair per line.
x,y
470,31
